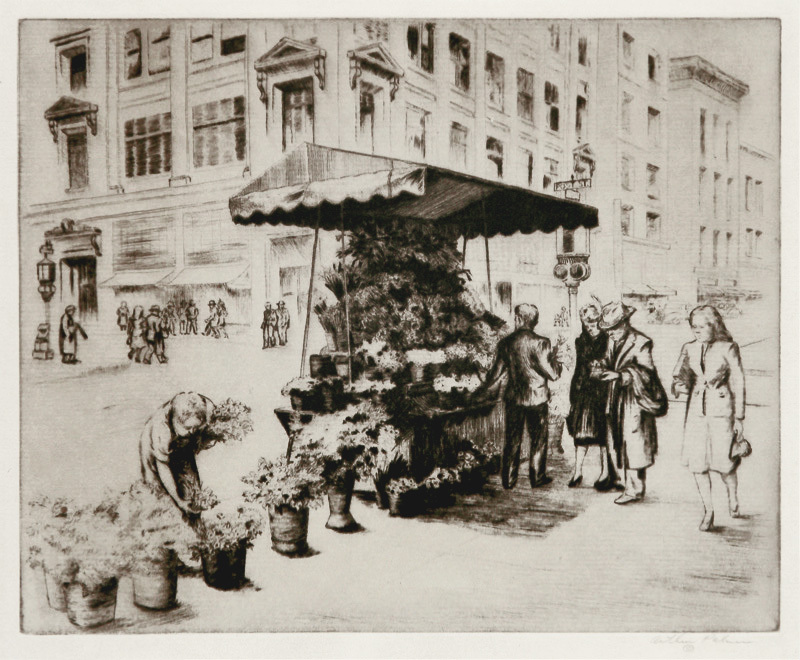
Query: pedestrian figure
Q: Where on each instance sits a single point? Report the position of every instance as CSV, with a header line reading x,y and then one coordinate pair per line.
x,y
68,331
172,318
529,362
586,421
137,333
635,398
283,323
122,316
709,371
154,336
211,322
191,318
222,318
182,324
265,326
168,445
274,320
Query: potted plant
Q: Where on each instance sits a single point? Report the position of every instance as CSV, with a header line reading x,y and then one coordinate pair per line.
x,y
91,579
438,487
230,421
314,395
403,493
155,536
225,531
48,545
286,489
471,470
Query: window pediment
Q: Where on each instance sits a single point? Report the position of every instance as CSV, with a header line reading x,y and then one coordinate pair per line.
x,y
287,54
68,108
375,57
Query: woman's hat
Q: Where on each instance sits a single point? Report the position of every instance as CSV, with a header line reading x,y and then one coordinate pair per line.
x,y
615,313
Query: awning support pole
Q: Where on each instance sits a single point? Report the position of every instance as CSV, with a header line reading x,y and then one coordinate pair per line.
x,y
310,293
488,268
464,253
346,304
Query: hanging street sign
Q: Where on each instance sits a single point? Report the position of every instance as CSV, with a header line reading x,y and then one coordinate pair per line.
x,y
573,195
573,184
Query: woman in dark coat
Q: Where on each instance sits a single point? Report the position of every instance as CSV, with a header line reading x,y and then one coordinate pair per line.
x,y
586,421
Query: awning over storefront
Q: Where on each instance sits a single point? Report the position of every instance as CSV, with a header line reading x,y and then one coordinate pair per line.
x,y
648,291
318,184
131,278
208,274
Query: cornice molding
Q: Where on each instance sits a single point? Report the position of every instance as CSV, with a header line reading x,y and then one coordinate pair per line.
x,y
697,68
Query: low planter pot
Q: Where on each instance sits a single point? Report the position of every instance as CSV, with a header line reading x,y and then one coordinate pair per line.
x,y
472,481
381,497
155,584
289,530
55,592
88,608
297,401
404,505
340,496
224,569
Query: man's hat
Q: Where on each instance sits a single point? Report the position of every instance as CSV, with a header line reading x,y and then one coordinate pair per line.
x,y
212,303
615,313
281,303
69,308
155,308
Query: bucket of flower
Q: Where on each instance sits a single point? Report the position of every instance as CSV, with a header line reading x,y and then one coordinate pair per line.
x,y
424,364
286,489
438,488
472,470
404,497
47,546
96,562
155,536
225,531
312,395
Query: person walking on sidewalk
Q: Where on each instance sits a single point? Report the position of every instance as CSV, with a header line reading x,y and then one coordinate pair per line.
x,y
122,316
68,331
154,337
191,318
137,333
222,318
529,362
586,421
283,323
709,372
268,326
211,322
635,398
168,446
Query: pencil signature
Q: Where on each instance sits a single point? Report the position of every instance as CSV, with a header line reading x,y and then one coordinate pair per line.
x,y
688,641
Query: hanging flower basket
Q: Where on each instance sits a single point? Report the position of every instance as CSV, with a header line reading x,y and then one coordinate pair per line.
x,y
289,530
93,606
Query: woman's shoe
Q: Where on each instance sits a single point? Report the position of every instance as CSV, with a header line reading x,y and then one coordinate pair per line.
x,y
708,522
575,481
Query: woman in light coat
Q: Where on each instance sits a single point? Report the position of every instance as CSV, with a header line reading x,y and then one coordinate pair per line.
x,y
709,371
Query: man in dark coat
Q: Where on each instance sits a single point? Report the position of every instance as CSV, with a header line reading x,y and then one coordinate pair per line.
x,y
529,362
154,336
68,331
283,323
191,318
268,326
635,398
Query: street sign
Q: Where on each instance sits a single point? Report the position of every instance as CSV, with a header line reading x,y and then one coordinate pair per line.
x,y
573,195
574,184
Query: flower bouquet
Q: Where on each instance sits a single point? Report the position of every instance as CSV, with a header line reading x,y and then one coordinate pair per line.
x,y
231,421
286,489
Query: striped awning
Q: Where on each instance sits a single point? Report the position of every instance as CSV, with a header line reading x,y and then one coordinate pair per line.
x,y
315,183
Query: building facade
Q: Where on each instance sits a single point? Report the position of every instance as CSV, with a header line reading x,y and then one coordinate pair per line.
x,y
134,135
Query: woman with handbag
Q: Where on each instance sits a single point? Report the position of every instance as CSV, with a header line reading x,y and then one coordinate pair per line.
x,y
709,371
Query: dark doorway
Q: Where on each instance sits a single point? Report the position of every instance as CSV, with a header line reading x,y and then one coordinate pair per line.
x,y
82,282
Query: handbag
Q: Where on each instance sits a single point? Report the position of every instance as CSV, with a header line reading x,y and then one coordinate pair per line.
x,y
740,448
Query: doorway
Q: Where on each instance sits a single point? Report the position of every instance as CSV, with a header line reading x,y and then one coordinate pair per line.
x,y
79,283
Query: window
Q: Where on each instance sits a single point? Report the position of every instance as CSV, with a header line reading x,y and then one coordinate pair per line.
x,y
748,193
366,117
78,160
626,172
715,248
728,141
728,240
759,194
526,167
148,145
653,188
219,132
702,131
551,172
748,249
714,130
415,132
298,113
626,220
202,41
233,38
700,245
494,153
701,181
652,67
555,37
729,200
74,60
133,54
654,127
627,50
495,80
525,94
580,117
143,243
459,56
757,245
419,39
458,145
158,50
625,111
551,101
653,227
583,47
717,183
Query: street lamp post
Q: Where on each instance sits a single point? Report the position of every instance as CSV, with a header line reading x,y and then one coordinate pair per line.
x,y
572,268
46,274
